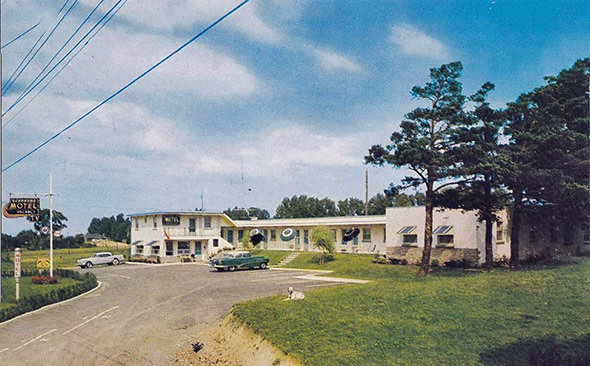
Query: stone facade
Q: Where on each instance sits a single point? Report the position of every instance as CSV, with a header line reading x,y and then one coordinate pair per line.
x,y
414,255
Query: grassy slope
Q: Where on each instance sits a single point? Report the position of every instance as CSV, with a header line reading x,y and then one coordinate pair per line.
x,y
451,317
274,256
27,288
62,258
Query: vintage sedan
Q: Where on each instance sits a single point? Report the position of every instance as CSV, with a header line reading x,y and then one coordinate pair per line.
x,y
233,260
100,258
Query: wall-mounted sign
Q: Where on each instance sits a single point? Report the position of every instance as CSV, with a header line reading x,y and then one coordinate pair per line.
x,y
45,230
57,233
43,263
171,220
19,207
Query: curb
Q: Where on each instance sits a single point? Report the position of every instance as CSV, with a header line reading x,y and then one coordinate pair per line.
x,y
53,305
301,269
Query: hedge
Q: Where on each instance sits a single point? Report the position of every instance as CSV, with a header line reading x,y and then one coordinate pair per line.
x,y
29,303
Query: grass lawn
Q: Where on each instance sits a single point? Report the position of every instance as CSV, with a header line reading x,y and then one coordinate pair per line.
x,y
27,288
274,256
451,317
62,258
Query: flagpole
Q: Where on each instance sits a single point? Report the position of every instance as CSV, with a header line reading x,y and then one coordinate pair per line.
x,y
50,227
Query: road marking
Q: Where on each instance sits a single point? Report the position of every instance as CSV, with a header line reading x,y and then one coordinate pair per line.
x,y
271,279
290,282
91,319
5,349
33,340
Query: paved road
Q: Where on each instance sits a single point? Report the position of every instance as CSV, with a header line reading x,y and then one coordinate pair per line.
x,y
140,316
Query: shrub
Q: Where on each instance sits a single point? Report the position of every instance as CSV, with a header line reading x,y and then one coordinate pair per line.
x,y
317,258
458,263
434,263
43,280
86,282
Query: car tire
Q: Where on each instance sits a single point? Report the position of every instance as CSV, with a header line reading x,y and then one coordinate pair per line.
x,y
232,268
115,262
88,265
262,265
220,269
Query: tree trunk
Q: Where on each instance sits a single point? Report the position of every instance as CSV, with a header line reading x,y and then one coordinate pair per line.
x,y
515,230
425,265
489,249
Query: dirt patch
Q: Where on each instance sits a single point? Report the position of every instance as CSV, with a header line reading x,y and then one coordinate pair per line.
x,y
231,343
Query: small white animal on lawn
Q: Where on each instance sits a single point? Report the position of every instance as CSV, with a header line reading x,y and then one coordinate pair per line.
x,y
295,295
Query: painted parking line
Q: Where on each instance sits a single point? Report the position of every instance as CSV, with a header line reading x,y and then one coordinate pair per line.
x,y
116,275
91,319
34,339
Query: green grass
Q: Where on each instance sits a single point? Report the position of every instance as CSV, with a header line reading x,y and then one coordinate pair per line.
x,y
62,258
274,256
27,288
451,317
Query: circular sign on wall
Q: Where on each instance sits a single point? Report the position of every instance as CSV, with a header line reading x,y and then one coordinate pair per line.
x,y
45,230
57,233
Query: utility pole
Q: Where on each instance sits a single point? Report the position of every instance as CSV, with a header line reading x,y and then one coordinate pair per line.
x,y
50,227
2,165
367,192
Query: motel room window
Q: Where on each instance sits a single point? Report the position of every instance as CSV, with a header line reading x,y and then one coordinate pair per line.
x,y
273,235
410,240
183,248
192,225
500,232
137,223
156,250
366,234
155,222
230,236
305,236
445,240
207,222
215,243
139,249
240,235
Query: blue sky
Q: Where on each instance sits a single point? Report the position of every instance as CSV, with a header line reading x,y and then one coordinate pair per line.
x,y
288,95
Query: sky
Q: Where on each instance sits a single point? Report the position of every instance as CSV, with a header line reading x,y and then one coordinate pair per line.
x,y
281,98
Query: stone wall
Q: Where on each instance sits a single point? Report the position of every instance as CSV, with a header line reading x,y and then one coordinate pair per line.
x,y
414,255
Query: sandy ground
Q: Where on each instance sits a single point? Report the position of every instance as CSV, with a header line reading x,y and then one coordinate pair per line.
x,y
232,344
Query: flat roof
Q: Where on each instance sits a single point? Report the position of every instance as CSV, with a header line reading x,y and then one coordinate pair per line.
x,y
315,221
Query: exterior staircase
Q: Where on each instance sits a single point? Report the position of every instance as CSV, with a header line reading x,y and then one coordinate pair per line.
x,y
288,259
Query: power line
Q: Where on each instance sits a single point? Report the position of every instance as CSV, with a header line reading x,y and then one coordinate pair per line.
x,y
66,64
66,55
20,35
27,90
9,84
198,35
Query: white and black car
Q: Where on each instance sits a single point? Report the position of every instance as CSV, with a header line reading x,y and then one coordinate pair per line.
x,y
100,258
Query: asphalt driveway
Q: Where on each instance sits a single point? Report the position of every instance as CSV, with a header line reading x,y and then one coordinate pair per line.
x,y
140,315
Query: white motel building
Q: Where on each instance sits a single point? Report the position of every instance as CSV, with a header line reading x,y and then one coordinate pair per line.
x,y
400,232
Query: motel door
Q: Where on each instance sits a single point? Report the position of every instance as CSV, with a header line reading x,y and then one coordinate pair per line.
x,y
169,248
198,248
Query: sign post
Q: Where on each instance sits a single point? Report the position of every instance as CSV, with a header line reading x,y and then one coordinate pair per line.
x,y
17,272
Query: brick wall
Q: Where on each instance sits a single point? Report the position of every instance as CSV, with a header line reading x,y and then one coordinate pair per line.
x,y
414,255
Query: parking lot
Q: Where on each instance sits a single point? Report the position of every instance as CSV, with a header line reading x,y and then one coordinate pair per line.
x,y
140,315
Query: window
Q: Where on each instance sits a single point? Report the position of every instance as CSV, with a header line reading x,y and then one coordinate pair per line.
x,y
156,250
409,240
499,232
137,223
305,236
366,234
343,232
445,240
265,231
144,220
230,236
155,221
183,248
192,225
139,249
273,235
215,243
240,235
169,248
384,235
207,222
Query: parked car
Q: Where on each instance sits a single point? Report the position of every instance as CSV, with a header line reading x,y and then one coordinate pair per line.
x,y
233,260
100,258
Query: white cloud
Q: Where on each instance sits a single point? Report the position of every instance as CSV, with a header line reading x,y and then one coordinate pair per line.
x,y
173,14
414,42
333,62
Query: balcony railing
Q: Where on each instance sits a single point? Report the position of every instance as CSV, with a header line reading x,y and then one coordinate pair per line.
x,y
186,231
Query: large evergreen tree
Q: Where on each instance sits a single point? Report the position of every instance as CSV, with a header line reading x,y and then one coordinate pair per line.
x,y
424,142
